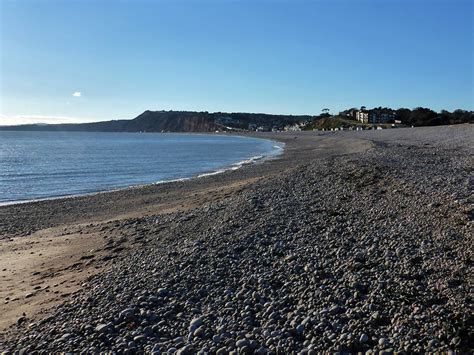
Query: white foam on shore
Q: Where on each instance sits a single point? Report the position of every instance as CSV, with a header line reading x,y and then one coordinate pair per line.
x,y
278,149
234,166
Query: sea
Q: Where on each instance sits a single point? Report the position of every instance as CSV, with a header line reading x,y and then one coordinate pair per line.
x,y
43,165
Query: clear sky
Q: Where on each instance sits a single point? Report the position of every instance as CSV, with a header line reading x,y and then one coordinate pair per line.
x,y
88,60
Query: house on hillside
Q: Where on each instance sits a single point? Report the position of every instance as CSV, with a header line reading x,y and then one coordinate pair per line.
x,y
362,116
373,117
292,128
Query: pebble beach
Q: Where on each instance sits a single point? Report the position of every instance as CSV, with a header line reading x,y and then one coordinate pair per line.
x,y
348,242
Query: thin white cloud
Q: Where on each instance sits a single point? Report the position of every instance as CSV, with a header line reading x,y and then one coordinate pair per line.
x,y
30,119
77,94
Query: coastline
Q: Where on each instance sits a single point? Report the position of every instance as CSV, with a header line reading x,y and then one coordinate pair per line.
x,y
69,227
275,151
324,187
233,166
93,203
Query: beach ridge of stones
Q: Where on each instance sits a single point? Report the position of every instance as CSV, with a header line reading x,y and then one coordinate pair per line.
x,y
366,252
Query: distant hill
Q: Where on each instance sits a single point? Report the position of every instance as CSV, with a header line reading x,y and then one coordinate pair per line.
x,y
172,121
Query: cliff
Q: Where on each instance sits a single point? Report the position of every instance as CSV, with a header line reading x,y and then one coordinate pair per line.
x,y
171,121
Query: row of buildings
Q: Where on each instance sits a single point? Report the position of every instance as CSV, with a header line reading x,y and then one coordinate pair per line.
x,y
373,117
230,123
298,126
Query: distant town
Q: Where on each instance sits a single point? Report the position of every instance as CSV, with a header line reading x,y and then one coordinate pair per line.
x,y
188,121
356,119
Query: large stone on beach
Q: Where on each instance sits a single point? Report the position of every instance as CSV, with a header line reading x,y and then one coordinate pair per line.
x,y
194,324
242,343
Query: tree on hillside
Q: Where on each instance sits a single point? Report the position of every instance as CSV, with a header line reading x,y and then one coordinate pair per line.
x,y
403,114
460,116
325,113
422,116
349,112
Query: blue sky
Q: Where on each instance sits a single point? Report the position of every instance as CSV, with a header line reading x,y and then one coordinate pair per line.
x,y
70,61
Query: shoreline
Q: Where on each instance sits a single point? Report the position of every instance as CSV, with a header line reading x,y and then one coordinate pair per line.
x,y
64,230
252,238
232,166
93,203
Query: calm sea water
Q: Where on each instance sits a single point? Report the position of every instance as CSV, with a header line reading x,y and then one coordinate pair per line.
x,y
35,165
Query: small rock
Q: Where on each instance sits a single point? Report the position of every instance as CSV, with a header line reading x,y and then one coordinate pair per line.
x,y
161,292
154,299
242,342
195,323
178,340
186,350
139,338
199,332
66,336
102,328
132,345
127,314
